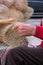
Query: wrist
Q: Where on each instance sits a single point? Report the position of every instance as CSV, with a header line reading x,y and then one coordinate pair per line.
x,y
33,30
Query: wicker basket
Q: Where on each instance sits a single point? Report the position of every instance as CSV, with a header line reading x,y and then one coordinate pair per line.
x,y
10,37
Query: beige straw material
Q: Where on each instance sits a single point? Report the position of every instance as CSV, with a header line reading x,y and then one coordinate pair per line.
x,y
8,3
3,25
28,12
7,21
16,14
11,37
4,12
21,4
2,30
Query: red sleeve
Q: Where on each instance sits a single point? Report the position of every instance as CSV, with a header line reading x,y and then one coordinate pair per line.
x,y
41,44
39,32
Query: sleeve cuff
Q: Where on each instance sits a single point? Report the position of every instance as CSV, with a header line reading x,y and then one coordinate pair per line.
x,y
39,32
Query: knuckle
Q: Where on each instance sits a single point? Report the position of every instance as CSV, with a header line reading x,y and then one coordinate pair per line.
x,y
20,35
20,27
19,31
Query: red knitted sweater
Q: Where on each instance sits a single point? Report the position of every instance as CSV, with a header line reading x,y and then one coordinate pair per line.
x,y
39,34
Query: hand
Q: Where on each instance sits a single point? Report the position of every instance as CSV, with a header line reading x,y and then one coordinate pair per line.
x,y
24,29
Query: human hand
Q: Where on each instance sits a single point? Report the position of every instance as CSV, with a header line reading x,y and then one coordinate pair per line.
x,y
24,29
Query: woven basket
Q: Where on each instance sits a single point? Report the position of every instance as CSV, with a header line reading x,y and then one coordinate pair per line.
x,y
10,37
28,12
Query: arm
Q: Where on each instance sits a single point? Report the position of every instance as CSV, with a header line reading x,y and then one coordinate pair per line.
x,y
28,30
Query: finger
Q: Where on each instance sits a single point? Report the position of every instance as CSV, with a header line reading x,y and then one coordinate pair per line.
x,y
23,35
22,32
14,27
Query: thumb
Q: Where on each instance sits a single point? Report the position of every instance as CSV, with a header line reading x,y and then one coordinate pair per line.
x,y
15,25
